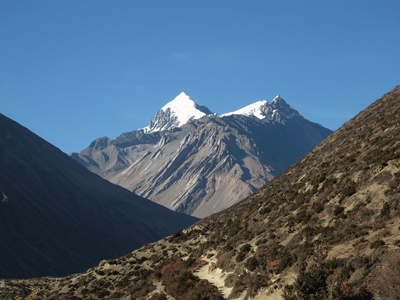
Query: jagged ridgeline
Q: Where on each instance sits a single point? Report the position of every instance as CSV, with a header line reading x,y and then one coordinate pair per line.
x,y
199,163
327,228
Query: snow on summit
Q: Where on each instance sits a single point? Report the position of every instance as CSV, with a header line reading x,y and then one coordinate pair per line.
x,y
184,109
176,113
277,110
250,110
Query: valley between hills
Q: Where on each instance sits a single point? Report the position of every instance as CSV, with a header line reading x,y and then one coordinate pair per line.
x,y
326,228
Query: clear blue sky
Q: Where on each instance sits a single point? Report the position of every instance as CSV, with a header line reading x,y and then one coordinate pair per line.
x,y
75,70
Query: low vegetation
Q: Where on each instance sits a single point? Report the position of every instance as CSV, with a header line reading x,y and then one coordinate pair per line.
x,y
328,228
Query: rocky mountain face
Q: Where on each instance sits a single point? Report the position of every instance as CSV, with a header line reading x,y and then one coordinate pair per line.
x,y
327,228
57,218
199,163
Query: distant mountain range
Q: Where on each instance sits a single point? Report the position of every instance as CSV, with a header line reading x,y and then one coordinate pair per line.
x,y
191,160
326,228
57,218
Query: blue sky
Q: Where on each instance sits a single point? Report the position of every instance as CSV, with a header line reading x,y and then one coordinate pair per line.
x,y
75,70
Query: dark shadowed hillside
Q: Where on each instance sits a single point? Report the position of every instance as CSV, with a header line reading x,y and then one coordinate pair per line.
x,y
57,218
327,228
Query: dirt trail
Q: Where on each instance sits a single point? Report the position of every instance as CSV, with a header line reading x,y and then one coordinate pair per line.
x,y
215,276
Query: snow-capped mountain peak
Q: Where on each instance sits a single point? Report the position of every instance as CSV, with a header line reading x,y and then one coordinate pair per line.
x,y
176,113
253,109
285,110
184,109
277,99
276,111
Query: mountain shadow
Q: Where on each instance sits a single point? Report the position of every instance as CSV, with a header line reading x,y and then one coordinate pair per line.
x,y
58,218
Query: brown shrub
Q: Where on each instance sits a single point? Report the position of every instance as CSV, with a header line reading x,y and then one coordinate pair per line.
x,y
384,281
225,261
182,284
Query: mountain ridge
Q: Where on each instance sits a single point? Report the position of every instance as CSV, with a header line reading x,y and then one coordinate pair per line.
x,y
182,109
215,160
275,111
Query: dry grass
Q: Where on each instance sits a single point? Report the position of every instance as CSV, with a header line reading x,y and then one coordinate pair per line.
x,y
328,228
